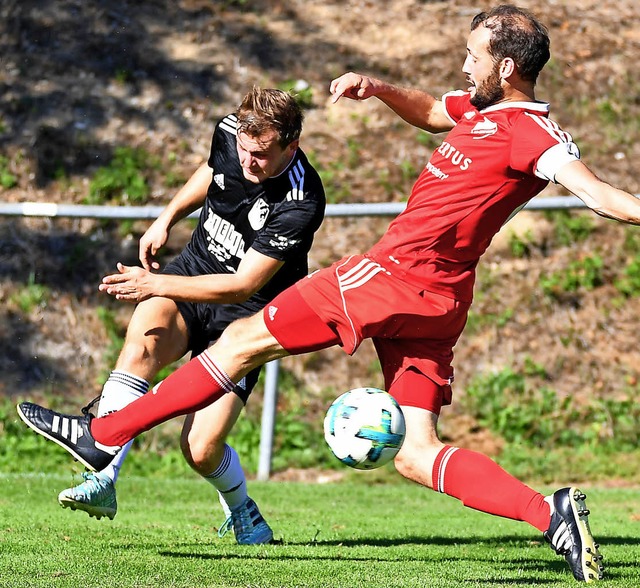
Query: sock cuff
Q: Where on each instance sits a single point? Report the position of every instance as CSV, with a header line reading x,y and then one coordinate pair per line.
x,y
217,374
224,463
136,383
120,389
440,467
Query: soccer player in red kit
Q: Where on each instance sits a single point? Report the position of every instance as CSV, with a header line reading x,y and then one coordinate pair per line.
x,y
411,292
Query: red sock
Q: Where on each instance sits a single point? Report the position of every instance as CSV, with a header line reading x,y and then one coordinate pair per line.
x,y
192,387
482,484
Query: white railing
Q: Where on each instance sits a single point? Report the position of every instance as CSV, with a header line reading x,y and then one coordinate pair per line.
x,y
53,210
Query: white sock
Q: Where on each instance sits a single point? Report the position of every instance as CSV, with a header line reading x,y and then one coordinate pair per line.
x,y
229,480
113,469
120,389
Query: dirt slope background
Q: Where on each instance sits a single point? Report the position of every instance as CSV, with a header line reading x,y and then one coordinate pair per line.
x,y
80,79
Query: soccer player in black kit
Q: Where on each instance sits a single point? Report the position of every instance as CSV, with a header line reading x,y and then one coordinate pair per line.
x,y
261,204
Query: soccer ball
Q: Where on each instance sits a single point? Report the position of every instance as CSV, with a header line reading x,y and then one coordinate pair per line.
x,y
364,428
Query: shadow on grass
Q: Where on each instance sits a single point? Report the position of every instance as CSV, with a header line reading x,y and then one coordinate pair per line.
x,y
528,563
532,568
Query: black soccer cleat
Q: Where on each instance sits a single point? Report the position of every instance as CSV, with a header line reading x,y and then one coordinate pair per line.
x,y
70,432
569,534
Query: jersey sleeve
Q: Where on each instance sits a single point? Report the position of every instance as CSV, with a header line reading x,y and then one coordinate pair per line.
x,y
223,141
456,103
541,147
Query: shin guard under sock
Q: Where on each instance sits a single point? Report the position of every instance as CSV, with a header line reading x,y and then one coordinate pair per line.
x,y
482,484
190,388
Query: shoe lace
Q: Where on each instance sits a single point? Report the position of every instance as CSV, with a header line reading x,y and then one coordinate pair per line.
x,y
87,409
240,520
92,482
224,528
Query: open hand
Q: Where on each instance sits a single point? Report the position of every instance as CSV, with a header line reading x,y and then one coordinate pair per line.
x,y
130,284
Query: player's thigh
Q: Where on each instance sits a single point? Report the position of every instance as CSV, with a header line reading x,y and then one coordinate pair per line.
x,y
157,328
244,345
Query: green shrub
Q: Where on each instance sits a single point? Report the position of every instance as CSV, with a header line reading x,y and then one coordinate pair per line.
x,y
331,175
536,417
297,443
32,296
115,334
629,283
7,179
520,246
300,90
571,228
583,273
124,179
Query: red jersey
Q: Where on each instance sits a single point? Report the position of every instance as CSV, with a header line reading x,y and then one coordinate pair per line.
x,y
491,163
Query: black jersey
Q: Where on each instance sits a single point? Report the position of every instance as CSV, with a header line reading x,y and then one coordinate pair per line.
x,y
277,217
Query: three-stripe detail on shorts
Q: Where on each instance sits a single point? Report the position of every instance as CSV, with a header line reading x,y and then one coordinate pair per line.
x,y
358,275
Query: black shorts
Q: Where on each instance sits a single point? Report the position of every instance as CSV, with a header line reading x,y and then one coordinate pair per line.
x,y
205,322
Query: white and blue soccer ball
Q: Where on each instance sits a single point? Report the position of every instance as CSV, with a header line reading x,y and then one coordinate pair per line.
x,y
364,428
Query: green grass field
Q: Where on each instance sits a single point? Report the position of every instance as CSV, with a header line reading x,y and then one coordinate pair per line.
x,y
352,534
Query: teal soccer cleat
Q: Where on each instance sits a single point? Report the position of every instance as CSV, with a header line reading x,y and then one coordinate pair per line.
x,y
96,495
248,525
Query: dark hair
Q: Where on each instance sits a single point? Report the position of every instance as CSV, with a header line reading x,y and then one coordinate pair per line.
x,y
268,109
518,34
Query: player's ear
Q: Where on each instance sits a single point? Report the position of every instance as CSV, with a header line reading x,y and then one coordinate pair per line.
x,y
507,68
291,147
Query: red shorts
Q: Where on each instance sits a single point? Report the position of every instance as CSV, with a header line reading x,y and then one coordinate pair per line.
x,y
414,331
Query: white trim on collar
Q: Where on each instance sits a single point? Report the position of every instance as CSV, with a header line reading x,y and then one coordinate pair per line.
x,y
537,106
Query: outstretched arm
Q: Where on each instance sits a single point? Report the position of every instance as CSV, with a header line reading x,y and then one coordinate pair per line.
x,y
599,196
135,284
418,108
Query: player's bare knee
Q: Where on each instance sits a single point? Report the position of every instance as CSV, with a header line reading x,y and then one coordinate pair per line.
x,y
135,354
202,453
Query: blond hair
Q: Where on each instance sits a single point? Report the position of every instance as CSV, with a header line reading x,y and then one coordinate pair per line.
x,y
262,110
